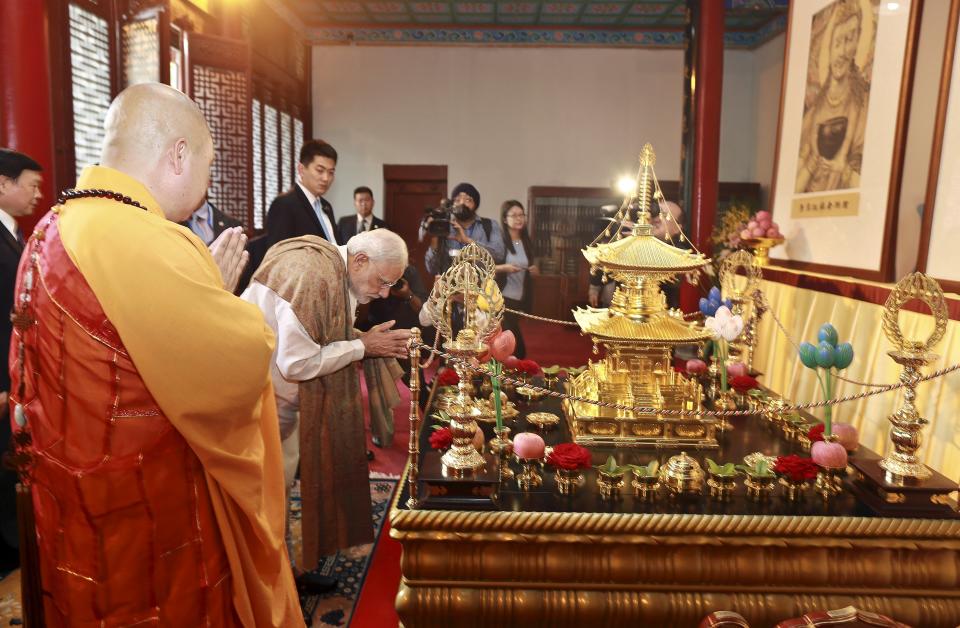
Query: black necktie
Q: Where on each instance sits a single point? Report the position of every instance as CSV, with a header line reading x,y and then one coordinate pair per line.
x,y
20,237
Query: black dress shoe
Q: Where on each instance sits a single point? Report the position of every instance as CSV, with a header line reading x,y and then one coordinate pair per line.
x,y
314,583
369,455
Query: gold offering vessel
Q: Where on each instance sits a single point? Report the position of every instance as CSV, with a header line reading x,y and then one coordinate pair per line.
x,y
761,248
682,475
638,334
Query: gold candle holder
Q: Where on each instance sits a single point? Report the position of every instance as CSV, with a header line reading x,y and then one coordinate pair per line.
x,y
829,483
502,447
760,487
646,488
529,476
609,484
793,491
568,480
721,487
907,425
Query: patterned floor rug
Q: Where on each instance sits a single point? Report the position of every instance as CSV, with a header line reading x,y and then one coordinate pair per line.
x,y
333,609
349,566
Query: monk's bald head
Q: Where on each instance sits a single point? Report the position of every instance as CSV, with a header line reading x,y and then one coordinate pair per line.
x,y
159,136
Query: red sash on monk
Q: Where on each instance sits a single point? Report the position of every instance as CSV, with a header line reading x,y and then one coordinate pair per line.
x,y
124,520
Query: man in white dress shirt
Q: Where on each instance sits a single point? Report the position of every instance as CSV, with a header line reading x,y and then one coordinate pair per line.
x,y
308,291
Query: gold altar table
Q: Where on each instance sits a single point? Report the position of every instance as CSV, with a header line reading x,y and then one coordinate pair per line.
x,y
547,560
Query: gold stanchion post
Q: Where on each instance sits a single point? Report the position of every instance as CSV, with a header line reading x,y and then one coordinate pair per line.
x,y
413,449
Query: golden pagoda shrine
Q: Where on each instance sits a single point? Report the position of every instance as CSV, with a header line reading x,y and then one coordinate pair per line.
x,y
638,333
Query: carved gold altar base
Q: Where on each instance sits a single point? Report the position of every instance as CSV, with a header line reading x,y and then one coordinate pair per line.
x,y
638,376
627,570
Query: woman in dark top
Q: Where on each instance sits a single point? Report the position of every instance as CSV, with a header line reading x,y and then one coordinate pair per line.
x,y
514,275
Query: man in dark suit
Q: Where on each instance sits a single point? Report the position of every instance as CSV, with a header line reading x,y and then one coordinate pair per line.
x,y
303,210
20,181
208,222
350,226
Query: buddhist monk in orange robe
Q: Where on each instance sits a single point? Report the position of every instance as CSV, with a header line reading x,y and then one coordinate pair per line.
x,y
157,480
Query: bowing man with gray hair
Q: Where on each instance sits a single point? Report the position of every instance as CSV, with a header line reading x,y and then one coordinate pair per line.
x,y
308,290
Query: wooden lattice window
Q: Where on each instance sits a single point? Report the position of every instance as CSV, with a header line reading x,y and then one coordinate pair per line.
x,y
271,153
286,148
257,142
297,142
218,79
140,40
90,82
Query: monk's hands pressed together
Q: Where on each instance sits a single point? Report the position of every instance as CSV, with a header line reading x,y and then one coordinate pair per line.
x,y
383,342
230,255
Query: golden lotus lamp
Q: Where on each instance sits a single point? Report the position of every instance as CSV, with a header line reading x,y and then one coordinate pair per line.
x,y
900,484
740,276
463,458
468,283
761,248
902,464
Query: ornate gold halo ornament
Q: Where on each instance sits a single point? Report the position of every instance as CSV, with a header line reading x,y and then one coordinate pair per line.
x,y
469,281
743,296
912,355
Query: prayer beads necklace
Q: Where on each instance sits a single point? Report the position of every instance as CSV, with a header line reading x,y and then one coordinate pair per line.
x,y
69,195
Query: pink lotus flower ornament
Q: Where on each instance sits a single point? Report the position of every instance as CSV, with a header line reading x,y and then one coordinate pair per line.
x,y
502,345
696,367
528,445
847,435
829,455
736,369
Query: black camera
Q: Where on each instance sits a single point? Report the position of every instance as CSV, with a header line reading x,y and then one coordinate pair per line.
x,y
441,216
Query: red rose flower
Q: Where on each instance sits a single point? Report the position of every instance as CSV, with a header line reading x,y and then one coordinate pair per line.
x,y
796,468
570,456
816,433
743,384
529,367
448,377
442,438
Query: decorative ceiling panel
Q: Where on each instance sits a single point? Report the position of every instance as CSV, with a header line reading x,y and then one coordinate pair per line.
x,y
640,23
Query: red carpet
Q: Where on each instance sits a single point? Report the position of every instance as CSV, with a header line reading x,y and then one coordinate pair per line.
x,y
548,344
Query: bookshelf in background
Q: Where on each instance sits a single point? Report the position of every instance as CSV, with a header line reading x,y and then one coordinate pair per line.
x,y
563,220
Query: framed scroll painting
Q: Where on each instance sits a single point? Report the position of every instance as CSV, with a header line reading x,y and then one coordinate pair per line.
x,y
845,100
939,254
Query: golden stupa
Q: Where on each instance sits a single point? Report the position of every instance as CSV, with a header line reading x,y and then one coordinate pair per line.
x,y
638,333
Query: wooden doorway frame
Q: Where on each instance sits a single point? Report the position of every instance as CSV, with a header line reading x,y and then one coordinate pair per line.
x,y
396,172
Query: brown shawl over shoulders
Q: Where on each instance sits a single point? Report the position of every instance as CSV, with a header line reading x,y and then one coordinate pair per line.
x,y
309,273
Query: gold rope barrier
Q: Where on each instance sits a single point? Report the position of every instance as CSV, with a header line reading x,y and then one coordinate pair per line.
x,y
697,413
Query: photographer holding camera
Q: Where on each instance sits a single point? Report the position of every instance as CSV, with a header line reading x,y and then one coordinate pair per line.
x,y
452,228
